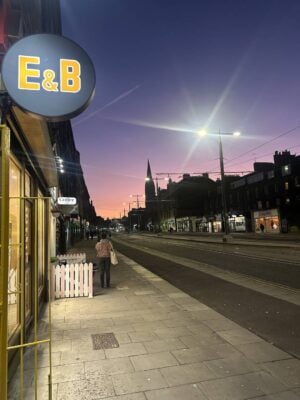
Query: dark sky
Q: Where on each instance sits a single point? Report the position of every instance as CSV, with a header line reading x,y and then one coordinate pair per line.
x,y
167,68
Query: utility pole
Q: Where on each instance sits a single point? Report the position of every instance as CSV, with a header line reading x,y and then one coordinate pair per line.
x,y
137,198
223,188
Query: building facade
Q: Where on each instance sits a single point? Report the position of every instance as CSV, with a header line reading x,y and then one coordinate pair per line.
x,y
266,200
31,182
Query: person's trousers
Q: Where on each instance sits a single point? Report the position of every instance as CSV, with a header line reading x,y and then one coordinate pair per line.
x,y
105,271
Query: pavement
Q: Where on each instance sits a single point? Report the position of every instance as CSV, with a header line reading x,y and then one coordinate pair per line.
x,y
168,346
242,239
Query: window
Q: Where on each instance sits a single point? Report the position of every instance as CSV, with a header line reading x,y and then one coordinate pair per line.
x,y
266,190
286,186
286,170
271,174
297,181
27,181
14,246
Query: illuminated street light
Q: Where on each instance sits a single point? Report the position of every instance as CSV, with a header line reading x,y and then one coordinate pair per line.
x,y
223,187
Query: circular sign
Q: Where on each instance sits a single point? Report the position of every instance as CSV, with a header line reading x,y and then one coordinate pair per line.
x,y
49,76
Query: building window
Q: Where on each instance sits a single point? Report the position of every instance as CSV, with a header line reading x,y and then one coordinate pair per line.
x,y
267,204
27,189
297,181
14,246
271,174
286,170
276,188
41,247
286,186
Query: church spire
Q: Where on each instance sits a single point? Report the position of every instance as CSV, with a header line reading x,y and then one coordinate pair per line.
x,y
149,187
149,174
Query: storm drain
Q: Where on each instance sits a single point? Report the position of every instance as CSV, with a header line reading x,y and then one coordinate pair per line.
x,y
104,341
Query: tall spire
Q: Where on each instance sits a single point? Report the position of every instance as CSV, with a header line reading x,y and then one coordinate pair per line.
x,y
149,174
149,187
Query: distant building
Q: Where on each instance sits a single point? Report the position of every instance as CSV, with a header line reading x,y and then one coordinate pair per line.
x,y
267,199
270,196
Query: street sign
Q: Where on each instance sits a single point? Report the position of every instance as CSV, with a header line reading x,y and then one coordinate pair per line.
x,y
66,201
49,76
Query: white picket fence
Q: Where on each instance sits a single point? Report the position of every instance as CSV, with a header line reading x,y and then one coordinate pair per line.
x,y
72,258
72,280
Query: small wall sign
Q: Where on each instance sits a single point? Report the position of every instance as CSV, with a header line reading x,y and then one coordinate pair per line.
x,y
49,76
66,201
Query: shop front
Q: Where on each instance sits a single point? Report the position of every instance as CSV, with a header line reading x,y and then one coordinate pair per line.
x,y
26,237
266,221
202,225
186,224
237,223
168,225
216,224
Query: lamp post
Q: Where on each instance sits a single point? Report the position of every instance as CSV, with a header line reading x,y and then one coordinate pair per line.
x,y
223,186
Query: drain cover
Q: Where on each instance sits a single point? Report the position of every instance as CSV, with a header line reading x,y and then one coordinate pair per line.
x,y
104,341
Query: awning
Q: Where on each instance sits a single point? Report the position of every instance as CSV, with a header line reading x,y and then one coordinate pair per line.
x,y
37,135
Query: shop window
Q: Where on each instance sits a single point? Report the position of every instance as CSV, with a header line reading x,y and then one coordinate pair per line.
x,y
27,182
41,246
286,186
14,246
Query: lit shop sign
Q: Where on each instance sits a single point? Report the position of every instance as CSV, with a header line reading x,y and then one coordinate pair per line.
x,y
49,76
66,201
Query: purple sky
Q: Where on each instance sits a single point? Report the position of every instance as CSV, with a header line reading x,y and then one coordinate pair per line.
x,y
167,68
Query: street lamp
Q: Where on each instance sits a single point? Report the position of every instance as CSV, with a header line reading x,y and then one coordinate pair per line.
x,y
203,133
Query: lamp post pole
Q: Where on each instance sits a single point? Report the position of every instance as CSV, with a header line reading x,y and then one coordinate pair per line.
x,y
202,133
223,189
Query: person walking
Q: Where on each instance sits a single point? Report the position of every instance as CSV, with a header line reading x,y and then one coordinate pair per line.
x,y
103,248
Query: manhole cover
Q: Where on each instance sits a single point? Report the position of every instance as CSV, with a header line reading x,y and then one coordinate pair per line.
x,y
104,341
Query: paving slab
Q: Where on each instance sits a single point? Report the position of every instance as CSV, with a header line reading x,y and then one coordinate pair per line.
x,y
234,365
231,388
86,389
262,352
138,382
186,392
189,373
287,371
153,361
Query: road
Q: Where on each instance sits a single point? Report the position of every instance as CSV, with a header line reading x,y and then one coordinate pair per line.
x,y
254,286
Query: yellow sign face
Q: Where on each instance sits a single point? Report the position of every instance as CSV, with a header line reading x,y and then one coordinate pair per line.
x,y
49,75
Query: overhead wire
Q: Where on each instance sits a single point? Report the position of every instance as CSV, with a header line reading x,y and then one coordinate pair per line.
x,y
265,143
